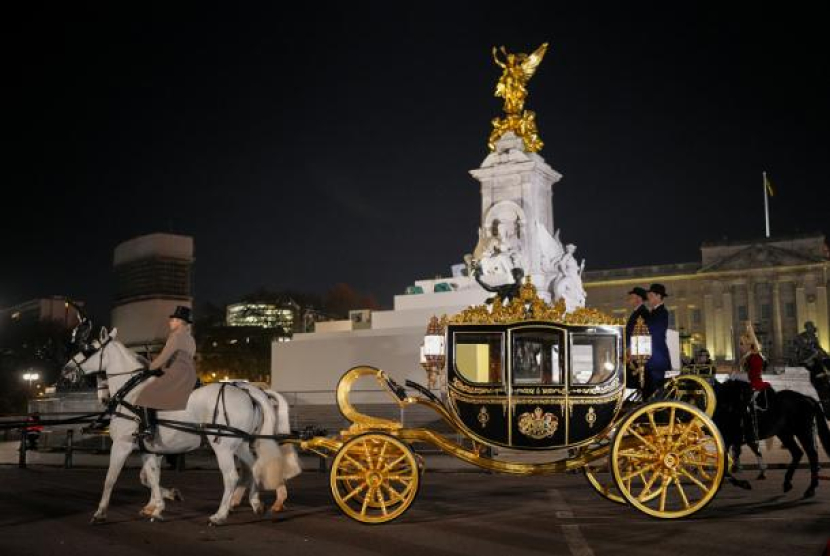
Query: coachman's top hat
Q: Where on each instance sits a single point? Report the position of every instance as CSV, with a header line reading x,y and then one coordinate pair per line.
x,y
183,313
639,291
659,289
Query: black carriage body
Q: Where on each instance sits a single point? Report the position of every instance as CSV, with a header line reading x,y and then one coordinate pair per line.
x,y
535,385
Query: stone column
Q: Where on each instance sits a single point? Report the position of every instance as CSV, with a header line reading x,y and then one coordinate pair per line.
x,y
821,317
800,306
750,300
777,331
709,323
728,325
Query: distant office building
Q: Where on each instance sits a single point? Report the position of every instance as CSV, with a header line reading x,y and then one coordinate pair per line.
x,y
778,284
265,315
152,276
47,309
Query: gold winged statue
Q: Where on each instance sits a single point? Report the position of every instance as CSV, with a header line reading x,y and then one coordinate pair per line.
x,y
512,87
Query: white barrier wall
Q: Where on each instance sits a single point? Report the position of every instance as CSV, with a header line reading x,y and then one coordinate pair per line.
x,y
310,366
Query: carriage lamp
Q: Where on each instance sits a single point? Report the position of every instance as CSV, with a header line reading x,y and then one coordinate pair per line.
x,y
433,352
640,348
608,365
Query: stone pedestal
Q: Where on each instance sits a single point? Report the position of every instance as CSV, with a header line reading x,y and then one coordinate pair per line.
x,y
517,195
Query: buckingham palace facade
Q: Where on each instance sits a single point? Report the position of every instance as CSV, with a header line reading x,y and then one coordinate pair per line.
x,y
778,284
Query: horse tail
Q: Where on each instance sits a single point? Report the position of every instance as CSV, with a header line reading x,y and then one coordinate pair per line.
x,y
291,464
823,429
268,467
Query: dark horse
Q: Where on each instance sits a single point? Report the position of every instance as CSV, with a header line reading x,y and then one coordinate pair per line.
x,y
785,414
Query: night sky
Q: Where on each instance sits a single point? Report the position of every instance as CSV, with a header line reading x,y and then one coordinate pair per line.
x,y
332,143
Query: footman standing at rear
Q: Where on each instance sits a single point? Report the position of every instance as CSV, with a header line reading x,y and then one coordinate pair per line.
x,y
658,325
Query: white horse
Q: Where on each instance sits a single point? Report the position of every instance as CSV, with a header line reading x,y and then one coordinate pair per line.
x,y
291,462
234,409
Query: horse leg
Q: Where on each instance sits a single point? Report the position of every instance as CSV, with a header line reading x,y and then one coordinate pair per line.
x,y
762,467
239,491
172,494
736,458
152,472
808,442
227,465
247,477
730,473
121,449
282,496
789,443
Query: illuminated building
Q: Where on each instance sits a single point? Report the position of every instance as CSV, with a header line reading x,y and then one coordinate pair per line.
x,y
778,284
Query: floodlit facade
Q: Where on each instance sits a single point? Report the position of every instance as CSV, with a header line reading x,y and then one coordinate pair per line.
x,y
777,284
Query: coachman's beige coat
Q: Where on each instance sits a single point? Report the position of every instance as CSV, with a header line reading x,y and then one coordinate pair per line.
x,y
171,391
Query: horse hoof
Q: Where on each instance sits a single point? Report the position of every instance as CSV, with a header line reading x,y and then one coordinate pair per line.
x,y
154,518
761,477
176,494
97,520
788,487
809,493
216,521
259,509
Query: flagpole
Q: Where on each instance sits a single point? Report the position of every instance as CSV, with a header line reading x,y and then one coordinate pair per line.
x,y
766,203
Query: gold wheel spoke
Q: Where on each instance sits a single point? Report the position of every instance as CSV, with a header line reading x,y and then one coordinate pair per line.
x,y
700,445
354,462
671,421
381,501
635,454
395,462
368,452
702,486
366,501
694,424
354,492
348,477
647,488
681,491
643,440
382,452
664,489
394,495
633,474
653,423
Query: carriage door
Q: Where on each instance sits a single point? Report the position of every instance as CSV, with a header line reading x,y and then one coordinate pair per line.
x,y
537,387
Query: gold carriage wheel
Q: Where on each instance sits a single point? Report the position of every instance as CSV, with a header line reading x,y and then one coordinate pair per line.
x,y
693,390
603,482
374,478
667,459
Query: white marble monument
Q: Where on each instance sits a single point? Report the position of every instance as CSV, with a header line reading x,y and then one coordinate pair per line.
x,y
516,231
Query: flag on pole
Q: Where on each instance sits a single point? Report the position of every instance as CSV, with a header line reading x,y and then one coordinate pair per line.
x,y
768,185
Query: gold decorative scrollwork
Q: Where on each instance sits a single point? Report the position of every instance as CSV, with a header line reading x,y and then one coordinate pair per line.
x,y
539,424
591,417
528,306
476,389
483,416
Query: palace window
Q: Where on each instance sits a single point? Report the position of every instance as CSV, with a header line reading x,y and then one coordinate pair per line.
x,y
789,310
742,313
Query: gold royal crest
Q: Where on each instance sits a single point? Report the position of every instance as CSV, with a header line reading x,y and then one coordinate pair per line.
x,y
538,424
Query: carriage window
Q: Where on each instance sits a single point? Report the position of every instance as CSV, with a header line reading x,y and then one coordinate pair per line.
x,y
593,358
478,356
536,357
